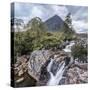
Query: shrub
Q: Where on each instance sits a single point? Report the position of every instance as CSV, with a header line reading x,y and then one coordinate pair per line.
x,y
79,51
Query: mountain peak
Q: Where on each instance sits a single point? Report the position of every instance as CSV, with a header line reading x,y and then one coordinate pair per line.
x,y
56,16
54,23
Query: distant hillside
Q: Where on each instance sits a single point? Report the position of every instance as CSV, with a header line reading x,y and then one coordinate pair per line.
x,y
82,35
54,23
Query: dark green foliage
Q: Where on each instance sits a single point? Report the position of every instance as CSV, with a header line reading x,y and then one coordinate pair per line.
x,y
68,28
79,51
68,19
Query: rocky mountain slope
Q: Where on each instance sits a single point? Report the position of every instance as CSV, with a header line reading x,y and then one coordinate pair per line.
x,y
54,23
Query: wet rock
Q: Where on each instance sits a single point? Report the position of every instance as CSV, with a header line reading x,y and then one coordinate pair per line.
x,y
54,67
62,81
59,57
36,61
44,74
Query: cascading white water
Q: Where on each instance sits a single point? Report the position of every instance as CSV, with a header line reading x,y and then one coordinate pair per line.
x,y
68,50
54,80
50,65
68,47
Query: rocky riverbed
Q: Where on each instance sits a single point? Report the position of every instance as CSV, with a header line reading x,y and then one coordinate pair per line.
x,y
32,70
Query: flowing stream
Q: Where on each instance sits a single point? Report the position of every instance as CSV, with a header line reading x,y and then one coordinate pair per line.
x,y
68,47
55,79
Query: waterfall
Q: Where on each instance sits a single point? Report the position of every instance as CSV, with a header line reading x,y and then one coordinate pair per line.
x,y
50,65
68,47
68,50
55,79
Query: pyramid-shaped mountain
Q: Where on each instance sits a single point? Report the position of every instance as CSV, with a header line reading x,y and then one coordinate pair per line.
x,y
54,23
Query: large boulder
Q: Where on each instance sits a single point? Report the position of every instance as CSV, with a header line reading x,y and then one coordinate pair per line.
x,y
44,74
37,59
58,58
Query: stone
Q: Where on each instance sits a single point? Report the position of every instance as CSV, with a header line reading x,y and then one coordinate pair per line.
x,y
76,75
20,80
37,59
21,72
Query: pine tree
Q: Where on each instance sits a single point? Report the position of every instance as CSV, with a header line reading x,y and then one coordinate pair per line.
x,y
68,20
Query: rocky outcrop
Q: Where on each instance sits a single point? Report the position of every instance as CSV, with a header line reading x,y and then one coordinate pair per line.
x,y
36,61
30,68
20,67
33,71
44,74
21,76
58,57
76,75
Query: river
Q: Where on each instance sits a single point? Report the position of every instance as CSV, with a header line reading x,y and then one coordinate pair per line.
x,y
55,79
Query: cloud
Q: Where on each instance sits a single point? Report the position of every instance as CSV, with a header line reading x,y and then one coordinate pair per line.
x,y
81,14
79,18
44,11
22,9
60,10
36,12
27,11
80,26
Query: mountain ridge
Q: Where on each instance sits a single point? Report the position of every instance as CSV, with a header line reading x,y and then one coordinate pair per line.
x,y
54,23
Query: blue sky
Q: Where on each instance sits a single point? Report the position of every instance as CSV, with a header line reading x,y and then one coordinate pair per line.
x,y
27,11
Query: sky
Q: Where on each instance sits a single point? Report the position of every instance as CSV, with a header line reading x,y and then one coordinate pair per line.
x,y
27,11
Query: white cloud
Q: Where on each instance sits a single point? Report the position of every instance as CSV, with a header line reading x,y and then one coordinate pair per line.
x,y
81,14
79,18
36,12
60,10
45,13
80,26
